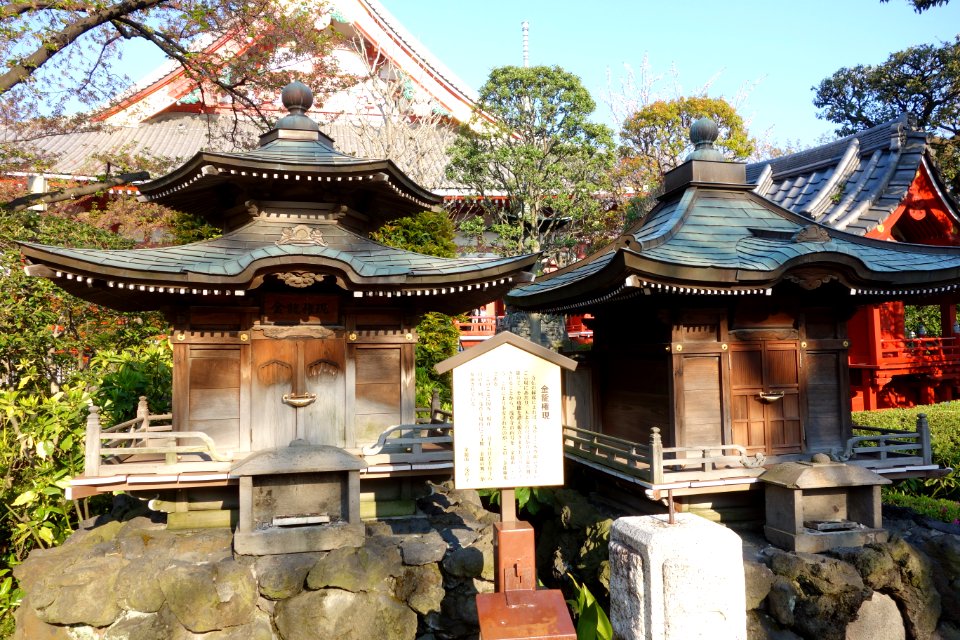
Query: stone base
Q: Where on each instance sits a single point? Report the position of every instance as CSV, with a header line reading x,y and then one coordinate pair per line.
x,y
277,540
810,541
683,581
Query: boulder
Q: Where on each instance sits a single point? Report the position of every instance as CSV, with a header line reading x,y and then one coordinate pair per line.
x,y
877,619
944,552
357,569
760,626
334,613
421,587
210,597
136,594
916,595
283,576
423,549
82,593
758,579
815,595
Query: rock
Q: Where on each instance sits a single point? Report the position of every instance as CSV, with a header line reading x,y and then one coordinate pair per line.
x,y
594,550
916,594
136,594
200,545
816,595
143,626
82,594
282,576
576,512
944,552
212,596
459,536
257,629
465,563
421,587
30,627
947,631
357,569
874,564
760,626
419,550
758,579
878,619
334,613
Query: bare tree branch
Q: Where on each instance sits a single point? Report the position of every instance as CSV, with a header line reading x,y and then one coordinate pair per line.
x,y
24,68
33,199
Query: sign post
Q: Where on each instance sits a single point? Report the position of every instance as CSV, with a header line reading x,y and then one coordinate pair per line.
x,y
508,433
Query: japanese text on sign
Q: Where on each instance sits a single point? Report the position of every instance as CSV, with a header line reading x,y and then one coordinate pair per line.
x,y
508,431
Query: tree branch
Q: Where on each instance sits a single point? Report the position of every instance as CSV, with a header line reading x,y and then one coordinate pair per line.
x,y
52,45
33,199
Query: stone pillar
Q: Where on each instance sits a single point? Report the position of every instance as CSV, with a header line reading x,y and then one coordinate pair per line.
x,y
676,582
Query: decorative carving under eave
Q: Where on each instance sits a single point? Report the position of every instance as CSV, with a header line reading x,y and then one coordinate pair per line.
x,y
301,332
302,234
810,281
812,233
299,279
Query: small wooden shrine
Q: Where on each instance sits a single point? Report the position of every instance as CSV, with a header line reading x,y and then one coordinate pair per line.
x,y
292,325
721,336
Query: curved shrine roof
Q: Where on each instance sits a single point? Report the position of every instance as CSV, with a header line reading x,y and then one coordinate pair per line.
x,y
718,239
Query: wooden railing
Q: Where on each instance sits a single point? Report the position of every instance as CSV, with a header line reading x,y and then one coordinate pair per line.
x,y
405,443
658,465
146,434
477,326
913,352
888,447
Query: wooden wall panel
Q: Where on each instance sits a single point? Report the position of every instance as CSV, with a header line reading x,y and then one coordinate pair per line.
x,y
378,400
747,368
213,395
826,398
636,395
701,416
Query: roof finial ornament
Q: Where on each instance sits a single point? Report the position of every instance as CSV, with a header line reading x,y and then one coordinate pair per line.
x,y
297,98
703,133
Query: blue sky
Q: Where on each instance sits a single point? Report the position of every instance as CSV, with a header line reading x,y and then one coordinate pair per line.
x,y
781,48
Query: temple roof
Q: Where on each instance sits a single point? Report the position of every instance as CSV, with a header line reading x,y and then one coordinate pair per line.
x,y
718,238
853,183
316,234
239,261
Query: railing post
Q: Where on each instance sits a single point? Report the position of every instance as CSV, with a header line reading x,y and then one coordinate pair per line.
x,y
656,456
435,407
91,448
923,428
142,409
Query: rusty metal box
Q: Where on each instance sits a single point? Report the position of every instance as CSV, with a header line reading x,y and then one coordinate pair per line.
x,y
526,615
514,556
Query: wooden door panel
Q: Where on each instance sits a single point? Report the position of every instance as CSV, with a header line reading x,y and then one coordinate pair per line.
x,y
378,391
746,368
782,370
702,421
323,421
772,426
274,423
213,400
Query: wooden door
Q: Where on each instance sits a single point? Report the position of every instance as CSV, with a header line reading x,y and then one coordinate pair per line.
x,y
765,390
298,392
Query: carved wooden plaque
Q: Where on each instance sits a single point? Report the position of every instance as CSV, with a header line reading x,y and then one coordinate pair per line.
x,y
281,308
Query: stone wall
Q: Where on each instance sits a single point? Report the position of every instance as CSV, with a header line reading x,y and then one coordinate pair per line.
x,y
134,579
907,588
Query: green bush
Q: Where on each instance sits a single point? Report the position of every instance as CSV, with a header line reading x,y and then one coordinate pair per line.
x,y
944,419
935,508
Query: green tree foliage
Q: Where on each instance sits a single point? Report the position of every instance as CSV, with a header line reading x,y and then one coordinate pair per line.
x,y
922,81
534,159
656,138
430,233
922,5
57,354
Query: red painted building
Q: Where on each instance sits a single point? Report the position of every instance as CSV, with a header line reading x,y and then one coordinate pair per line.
x,y
880,183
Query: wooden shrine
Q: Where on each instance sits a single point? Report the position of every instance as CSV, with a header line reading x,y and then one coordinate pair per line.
x,y
292,325
721,336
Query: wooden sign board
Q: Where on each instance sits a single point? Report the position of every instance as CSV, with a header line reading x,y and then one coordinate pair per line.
x,y
285,308
507,414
